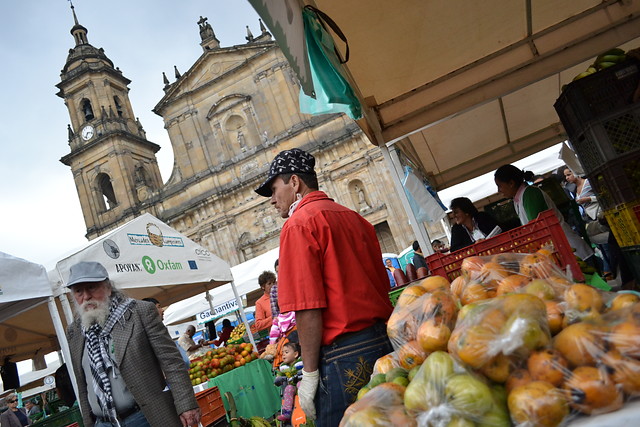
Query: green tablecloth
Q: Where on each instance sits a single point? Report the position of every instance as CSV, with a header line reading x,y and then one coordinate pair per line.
x,y
252,388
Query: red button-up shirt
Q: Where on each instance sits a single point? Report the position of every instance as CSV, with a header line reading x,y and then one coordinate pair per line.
x,y
330,259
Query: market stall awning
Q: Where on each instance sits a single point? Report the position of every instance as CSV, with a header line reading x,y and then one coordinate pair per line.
x,y
245,277
147,258
465,86
26,327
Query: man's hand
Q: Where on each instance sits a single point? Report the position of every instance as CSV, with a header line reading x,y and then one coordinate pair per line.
x,y
190,418
307,392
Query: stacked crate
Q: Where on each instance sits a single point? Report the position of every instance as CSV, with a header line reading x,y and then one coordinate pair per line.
x,y
603,125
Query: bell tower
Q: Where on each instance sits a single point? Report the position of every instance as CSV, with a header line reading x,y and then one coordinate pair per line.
x,y
113,164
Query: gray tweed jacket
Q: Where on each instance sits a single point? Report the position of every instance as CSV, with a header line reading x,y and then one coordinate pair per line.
x,y
145,355
9,419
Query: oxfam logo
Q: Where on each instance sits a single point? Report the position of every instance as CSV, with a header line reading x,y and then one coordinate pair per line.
x,y
148,264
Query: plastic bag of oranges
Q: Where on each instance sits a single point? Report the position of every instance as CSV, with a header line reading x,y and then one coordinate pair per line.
x,y
493,336
422,321
485,277
591,368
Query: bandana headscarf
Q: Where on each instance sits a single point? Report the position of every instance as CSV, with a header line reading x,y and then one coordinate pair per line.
x,y
295,204
97,341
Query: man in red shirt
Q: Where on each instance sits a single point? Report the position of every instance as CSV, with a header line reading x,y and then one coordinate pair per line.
x,y
332,277
263,305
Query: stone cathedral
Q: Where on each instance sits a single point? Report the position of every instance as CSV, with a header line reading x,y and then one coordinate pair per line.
x,y
227,117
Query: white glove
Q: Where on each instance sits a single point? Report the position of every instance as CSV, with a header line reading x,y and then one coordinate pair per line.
x,y
307,392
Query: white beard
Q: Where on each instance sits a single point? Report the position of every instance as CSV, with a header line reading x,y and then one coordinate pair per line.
x,y
93,312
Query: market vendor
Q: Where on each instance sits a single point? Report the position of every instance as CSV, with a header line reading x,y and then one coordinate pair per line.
x,y
225,333
188,344
332,277
529,201
263,316
471,224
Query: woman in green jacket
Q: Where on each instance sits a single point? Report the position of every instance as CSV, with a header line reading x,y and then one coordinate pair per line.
x,y
529,201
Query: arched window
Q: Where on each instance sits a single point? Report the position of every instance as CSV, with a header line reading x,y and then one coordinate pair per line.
x,y
141,176
87,110
116,101
385,238
106,191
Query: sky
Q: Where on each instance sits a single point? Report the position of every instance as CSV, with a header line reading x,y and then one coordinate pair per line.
x,y
40,215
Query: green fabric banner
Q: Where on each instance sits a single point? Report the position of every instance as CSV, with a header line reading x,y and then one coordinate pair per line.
x,y
252,388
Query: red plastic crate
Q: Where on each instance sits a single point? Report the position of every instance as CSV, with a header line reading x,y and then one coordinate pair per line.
x,y
544,231
211,406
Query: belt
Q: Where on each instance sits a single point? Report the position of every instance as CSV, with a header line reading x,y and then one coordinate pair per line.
x,y
343,337
121,415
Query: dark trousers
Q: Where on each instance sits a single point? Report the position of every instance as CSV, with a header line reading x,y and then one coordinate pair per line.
x,y
346,366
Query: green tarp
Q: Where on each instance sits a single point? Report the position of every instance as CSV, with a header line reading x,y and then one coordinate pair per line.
x,y
252,388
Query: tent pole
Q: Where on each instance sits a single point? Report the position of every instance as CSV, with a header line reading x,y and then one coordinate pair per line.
x,y
66,308
209,300
213,315
62,339
395,168
243,316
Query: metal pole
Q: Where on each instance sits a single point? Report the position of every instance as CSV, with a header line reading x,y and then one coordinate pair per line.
x,y
66,308
395,168
62,339
243,316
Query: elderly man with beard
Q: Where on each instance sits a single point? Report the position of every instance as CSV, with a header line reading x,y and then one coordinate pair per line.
x,y
129,371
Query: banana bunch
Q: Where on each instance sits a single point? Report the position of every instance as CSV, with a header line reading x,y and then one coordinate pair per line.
x,y
259,422
584,267
250,422
237,332
606,60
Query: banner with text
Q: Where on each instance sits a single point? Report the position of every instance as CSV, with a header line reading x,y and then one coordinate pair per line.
x,y
218,311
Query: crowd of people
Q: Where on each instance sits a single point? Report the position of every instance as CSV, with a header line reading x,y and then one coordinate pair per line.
x,y
581,219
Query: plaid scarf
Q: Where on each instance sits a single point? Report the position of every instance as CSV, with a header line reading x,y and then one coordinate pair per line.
x,y
97,341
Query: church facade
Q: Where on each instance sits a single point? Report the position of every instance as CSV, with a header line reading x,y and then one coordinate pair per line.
x,y
227,117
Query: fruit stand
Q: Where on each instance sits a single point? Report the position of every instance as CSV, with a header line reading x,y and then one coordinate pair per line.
x,y
236,370
511,340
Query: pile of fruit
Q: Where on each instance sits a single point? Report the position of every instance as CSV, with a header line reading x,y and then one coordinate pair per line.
x,y
606,60
237,333
510,341
219,361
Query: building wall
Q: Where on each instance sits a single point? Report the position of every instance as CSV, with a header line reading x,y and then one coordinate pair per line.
x,y
227,117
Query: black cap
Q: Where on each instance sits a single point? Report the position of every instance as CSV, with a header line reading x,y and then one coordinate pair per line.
x,y
287,161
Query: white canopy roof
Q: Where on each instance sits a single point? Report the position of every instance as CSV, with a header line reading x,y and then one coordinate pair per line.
x,y
245,280
147,258
25,325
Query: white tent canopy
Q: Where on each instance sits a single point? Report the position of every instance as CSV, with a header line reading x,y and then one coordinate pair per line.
x,y
484,185
147,258
26,305
245,279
